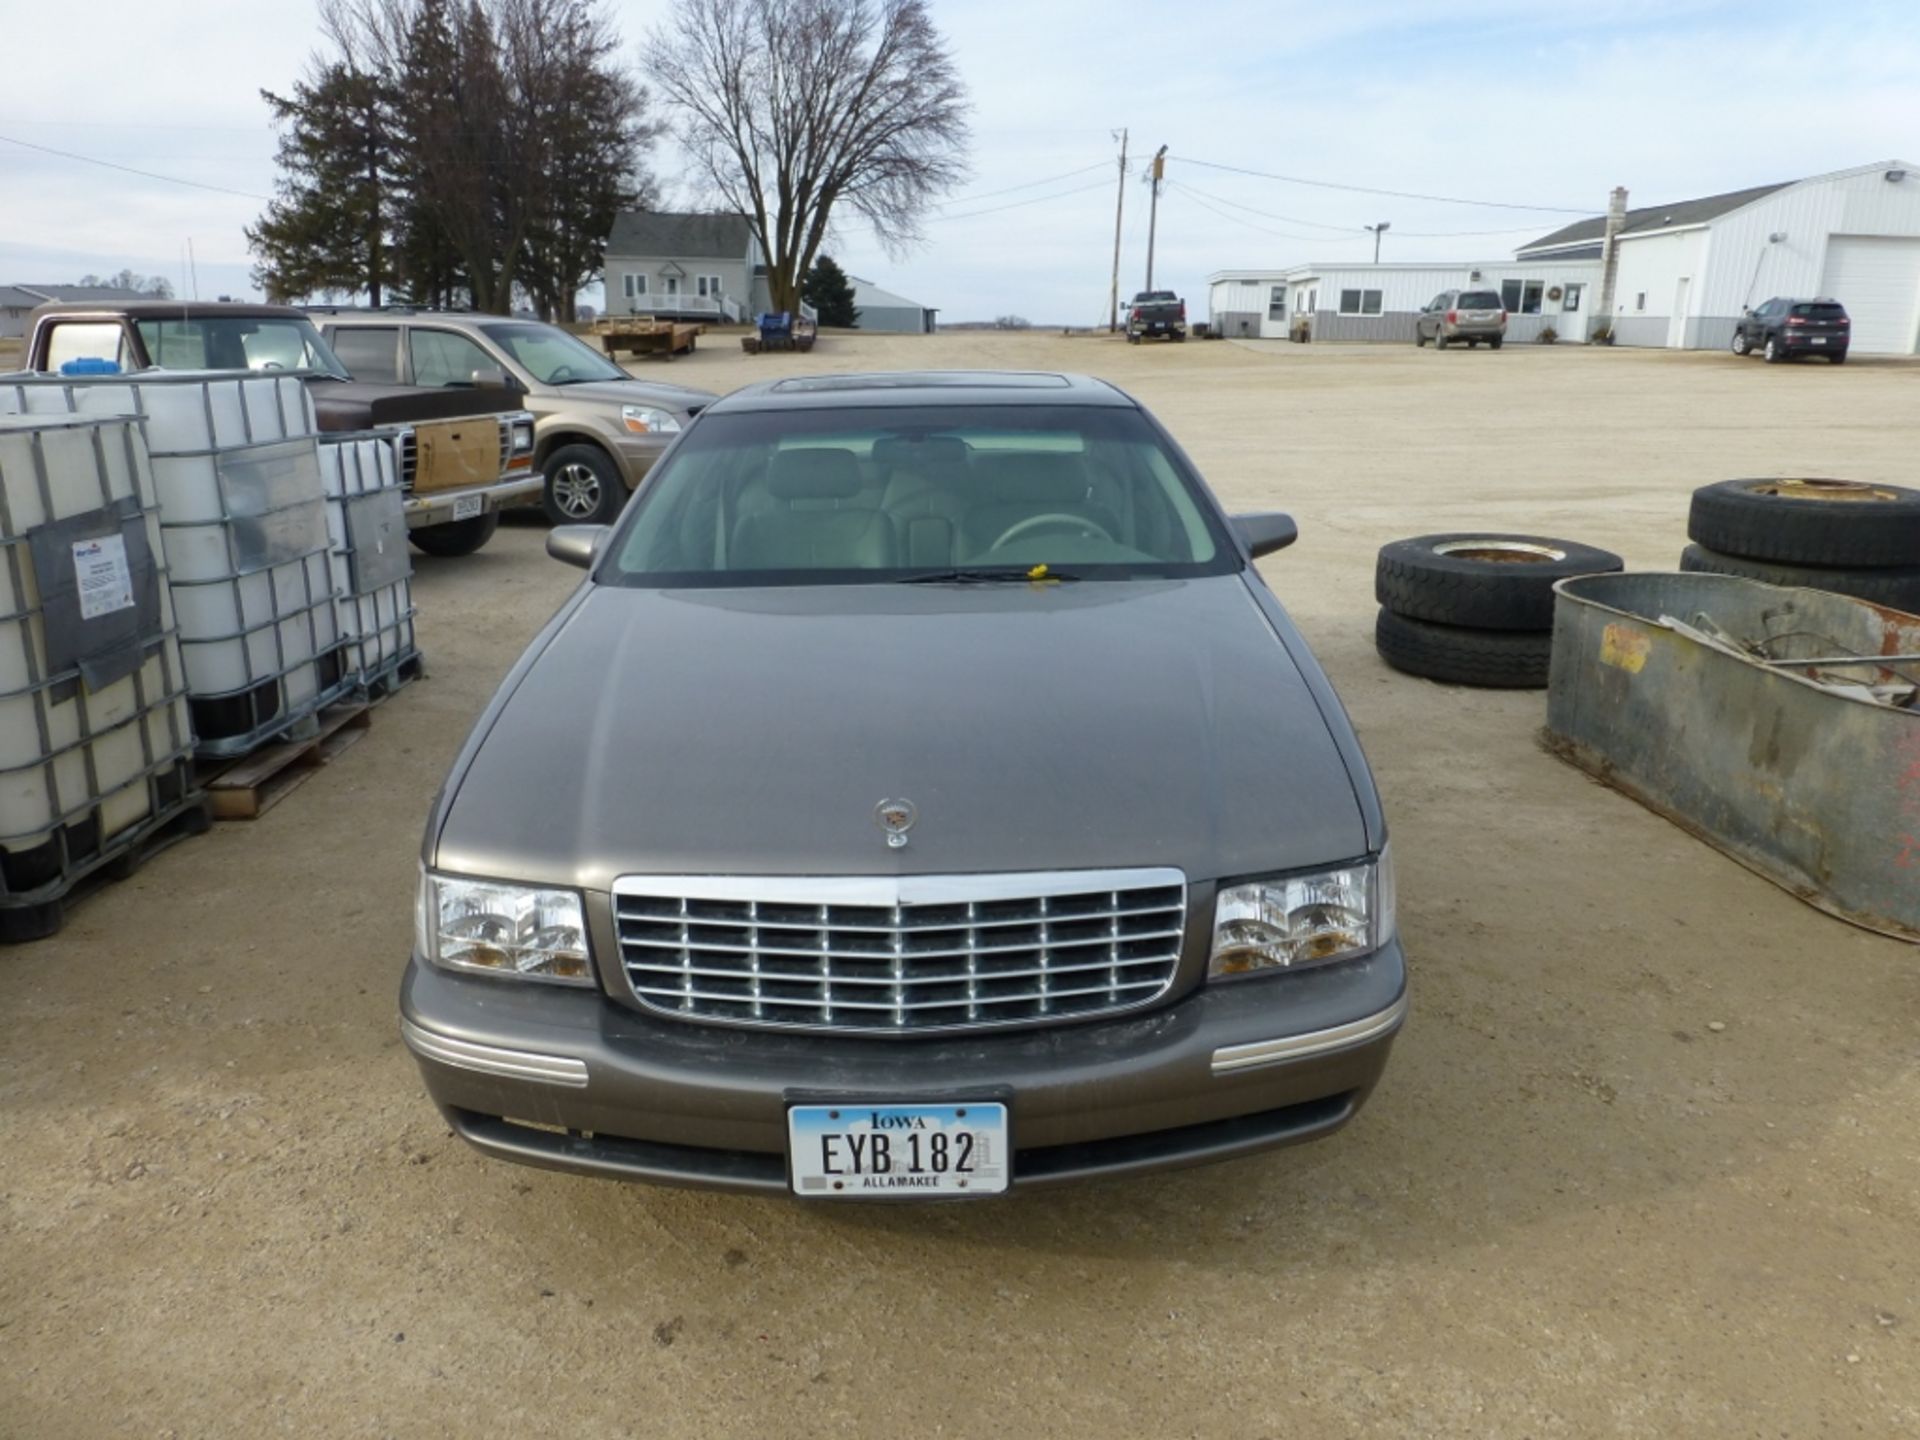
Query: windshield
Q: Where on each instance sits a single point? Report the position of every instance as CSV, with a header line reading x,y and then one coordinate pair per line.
x,y
1478,300
239,342
975,493
552,356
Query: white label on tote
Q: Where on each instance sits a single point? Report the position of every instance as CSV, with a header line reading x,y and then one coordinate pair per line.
x,y
100,570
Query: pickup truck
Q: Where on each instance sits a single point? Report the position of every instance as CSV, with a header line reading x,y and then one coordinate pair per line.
x,y
466,452
1156,312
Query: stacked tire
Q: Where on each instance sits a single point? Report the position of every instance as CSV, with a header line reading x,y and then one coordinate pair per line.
x,y
1843,536
1476,609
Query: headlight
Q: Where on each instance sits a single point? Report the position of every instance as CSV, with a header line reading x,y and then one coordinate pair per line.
x,y
1300,920
523,437
646,420
513,930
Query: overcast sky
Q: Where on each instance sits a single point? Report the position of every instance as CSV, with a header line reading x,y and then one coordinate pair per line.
x,y
1526,102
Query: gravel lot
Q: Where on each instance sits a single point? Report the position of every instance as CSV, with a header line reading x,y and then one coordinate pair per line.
x,y
1645,1162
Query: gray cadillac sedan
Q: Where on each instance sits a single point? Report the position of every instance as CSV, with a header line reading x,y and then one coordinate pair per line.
x,y
922,795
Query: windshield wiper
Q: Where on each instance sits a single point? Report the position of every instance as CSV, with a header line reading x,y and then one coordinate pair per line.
x,y
1003,575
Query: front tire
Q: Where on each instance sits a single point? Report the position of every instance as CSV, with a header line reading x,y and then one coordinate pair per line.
x,y
583,487
1439,339
1742,345
1419,338
456,537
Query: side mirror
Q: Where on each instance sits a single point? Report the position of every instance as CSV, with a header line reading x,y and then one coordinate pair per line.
x,y
494,379
576,544
1263,533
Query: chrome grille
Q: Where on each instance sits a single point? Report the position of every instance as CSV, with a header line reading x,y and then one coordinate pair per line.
x,y
409,458
899,955
506,442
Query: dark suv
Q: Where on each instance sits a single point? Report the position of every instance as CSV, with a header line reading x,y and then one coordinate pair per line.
x,y
1784,329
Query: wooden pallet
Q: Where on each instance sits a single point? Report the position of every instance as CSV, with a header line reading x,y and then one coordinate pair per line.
x,y
252,785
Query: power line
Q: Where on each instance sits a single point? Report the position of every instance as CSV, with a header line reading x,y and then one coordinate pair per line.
x,y
1203,203
1035,200
1268,214
130,170
1373,190
1031,184
1354,229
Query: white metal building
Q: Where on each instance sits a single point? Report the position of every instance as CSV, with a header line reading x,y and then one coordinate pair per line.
x,y
884,310
1687,271
1360,301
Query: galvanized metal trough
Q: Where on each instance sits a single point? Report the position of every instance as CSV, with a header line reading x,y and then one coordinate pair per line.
x,y
1672,689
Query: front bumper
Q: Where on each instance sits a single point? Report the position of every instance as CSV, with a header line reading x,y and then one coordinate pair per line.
x,y
567,1080
436,506
636,454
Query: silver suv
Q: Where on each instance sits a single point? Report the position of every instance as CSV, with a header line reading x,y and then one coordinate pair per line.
x,y
1469,315
597,430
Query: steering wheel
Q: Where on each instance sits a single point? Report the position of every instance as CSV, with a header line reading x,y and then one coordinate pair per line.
x,y
561,376
271,365
1053,521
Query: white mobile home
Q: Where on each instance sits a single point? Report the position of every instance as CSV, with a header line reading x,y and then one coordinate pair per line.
x,y
1687,271
1359,301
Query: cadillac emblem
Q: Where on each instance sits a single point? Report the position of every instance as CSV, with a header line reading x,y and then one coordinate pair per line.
x,y
896,817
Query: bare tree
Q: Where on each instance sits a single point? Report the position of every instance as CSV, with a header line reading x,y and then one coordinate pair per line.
x,y
792,107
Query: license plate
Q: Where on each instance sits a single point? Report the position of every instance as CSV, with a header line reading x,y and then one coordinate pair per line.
x,y
468,506
873,1152
1818,339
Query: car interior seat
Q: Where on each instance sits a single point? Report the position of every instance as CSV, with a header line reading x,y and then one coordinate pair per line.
x,y
817,513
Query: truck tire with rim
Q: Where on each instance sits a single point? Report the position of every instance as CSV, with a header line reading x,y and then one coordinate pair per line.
x,y
456,537
1808,521
1897,586
1481,581
584,487
1493,659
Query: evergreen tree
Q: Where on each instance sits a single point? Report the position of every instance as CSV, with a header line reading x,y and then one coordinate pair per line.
x,y
830,293
456,151
328,231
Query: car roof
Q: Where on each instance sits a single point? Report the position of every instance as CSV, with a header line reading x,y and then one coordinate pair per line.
x,y
172,309
463,319
924,387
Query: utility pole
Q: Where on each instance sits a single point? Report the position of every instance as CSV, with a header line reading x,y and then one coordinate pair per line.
x,y
1119,209
1153,215
1378,231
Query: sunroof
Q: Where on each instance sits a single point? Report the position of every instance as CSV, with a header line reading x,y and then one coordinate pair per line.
x,y
930,380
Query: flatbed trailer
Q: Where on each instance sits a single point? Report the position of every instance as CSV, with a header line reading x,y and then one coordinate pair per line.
x,y
666,338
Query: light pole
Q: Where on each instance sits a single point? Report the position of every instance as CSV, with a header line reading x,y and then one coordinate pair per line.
x,y
1378,231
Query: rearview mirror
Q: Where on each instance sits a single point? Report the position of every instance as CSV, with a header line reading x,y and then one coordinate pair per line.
x,y
1263,533
576,544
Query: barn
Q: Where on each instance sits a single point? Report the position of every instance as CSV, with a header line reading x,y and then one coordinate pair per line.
x,y
1685,272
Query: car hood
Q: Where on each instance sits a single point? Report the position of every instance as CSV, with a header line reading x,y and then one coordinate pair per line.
x,y
633,392
362,405
753,731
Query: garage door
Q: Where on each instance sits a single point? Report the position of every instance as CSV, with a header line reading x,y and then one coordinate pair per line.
x,y
1878,279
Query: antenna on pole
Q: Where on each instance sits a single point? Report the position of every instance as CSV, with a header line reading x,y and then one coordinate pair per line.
x,y
1119,209
193,271
1159,173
